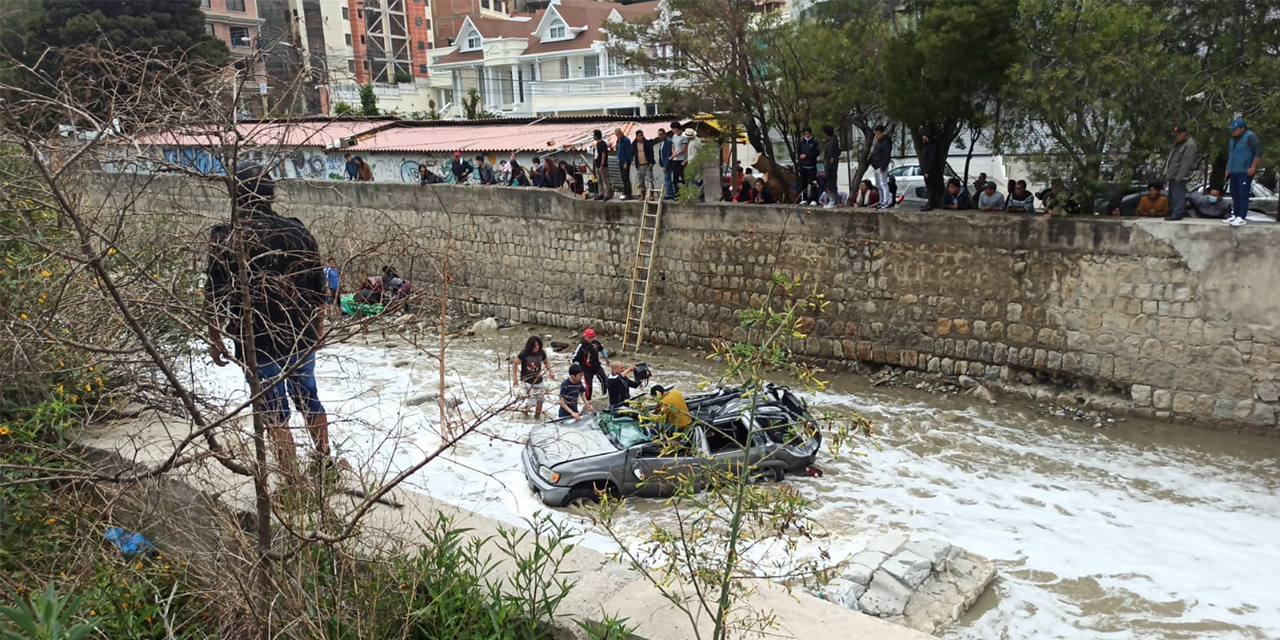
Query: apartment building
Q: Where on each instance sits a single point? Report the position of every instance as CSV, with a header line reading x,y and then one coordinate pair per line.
x,y
550,62
378,42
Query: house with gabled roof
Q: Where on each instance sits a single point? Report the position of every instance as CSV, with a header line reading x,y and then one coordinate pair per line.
x,y
549,62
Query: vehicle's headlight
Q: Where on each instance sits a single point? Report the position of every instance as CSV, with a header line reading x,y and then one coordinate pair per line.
x,y
548,475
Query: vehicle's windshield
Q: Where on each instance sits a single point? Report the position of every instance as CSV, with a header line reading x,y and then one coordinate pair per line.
x,y
623,431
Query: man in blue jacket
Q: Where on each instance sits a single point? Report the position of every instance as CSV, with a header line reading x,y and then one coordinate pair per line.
x,y
626,156
1244,153
664,159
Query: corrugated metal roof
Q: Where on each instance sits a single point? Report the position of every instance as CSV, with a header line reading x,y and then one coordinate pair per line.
x,y
269,133
493,136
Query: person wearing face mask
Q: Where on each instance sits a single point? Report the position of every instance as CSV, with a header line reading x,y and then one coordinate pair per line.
x,y
1212,205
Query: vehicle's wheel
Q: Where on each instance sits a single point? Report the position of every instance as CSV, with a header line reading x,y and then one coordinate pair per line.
x,y
583,495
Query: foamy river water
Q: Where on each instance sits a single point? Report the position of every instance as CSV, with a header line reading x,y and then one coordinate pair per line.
x,y
1141,530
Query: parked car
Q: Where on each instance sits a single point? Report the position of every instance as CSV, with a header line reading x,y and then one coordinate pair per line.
x,y
570,462
911,181
1261,199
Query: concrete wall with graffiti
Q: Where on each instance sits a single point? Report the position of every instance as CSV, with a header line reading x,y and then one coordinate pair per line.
x,y
309,163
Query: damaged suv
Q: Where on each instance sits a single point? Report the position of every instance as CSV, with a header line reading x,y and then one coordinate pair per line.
x,y
615,452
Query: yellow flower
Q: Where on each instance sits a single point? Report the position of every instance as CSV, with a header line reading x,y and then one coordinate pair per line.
x,y
59,389
62,573
124,605
137,566
92,612
147,620
23,316
75,398
111,250
4,430
51,521
9,260
46,273
91,368
88,387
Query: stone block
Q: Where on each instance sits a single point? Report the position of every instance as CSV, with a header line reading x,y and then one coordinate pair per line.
x,y
885,597
944,326
1013,312
1161,399
1141,395
1266,391
961,326
934,365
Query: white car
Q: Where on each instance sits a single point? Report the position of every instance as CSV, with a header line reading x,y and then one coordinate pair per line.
x,y
911,182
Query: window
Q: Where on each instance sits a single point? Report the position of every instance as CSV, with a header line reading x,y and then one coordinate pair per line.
x,y
422,46
346,13
360,13
361,38
204,4
239,36
564,67
473,42
348,39
351,65
208,29
590,66
484,4
417,22
235,5
557,31
422,68
614,69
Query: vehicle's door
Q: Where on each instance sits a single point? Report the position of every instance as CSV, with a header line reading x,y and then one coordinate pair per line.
x,y
656,469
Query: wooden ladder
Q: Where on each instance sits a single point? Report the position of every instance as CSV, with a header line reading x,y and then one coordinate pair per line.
x,y
646,248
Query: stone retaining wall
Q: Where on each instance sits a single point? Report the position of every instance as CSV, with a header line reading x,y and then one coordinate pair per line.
x,y
1173,320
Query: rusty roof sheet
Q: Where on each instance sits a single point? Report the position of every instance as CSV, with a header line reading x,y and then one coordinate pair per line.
x,y
268,133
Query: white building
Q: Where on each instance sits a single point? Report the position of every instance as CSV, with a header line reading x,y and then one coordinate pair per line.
x,y
552,62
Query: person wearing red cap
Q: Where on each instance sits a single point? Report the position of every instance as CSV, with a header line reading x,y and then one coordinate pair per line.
x,y
461,168
587,354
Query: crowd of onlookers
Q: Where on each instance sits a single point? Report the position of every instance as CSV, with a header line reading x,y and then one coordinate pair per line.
x,y
658,165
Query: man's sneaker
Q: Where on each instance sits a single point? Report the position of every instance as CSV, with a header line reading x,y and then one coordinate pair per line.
x,y
1238,222
829,205
1229,220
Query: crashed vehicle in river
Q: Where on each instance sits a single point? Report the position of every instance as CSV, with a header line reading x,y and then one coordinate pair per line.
x,y
617,452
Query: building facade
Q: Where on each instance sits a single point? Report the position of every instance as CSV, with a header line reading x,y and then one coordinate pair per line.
x,y
549,62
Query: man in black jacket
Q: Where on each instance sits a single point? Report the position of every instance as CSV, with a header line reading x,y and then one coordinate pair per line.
x,y
880,154
931,167
808,156
831,162
460,168
286,310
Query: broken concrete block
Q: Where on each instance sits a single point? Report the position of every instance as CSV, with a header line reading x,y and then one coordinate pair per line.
x,y
908,567
886,543
886,596
935,550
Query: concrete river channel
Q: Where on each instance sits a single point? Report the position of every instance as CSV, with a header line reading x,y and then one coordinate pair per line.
x,y
1134,530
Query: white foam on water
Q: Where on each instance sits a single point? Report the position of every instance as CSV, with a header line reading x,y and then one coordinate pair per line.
x,y
1094,536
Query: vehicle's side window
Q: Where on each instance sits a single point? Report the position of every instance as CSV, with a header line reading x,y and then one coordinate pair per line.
x,y
898,172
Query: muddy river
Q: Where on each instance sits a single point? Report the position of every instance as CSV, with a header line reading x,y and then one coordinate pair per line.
x,y
1137,530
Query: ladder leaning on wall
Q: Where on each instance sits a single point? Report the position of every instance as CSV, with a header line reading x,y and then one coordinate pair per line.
x,y
646,249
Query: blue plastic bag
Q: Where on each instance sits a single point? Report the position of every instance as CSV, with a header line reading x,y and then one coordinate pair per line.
x,y
129,543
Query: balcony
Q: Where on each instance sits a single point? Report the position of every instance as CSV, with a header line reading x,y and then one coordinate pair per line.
x,y
621,84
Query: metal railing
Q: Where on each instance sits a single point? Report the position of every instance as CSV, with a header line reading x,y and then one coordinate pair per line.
x,y
629,83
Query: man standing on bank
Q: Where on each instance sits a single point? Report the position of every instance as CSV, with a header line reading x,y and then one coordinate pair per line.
x,y
286,313
1244,153
1177,169
626,155
831,164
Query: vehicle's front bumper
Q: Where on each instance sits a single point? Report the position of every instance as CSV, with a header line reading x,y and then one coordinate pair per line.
x,y
550,494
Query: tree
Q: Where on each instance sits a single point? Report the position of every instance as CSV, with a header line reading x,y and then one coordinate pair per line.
x,y
830,71
1102,107
368,101
945,66
716,54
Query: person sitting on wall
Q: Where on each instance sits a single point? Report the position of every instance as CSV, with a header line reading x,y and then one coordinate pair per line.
x,y
956,198
1154,204
1212,205
427,176
867,196
763,194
